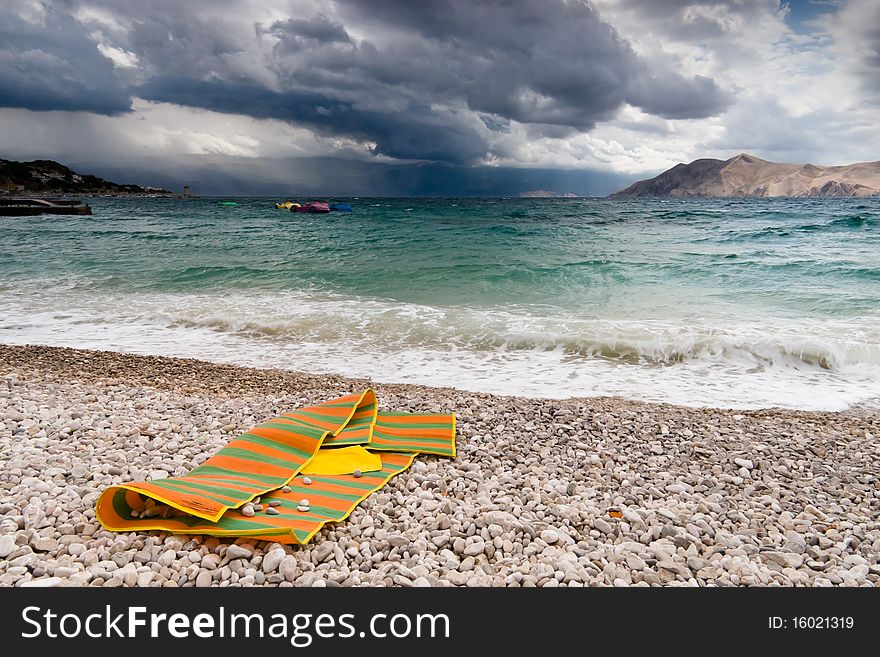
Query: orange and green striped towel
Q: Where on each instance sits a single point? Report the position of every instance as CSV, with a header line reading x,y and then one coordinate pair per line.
x,y
272,456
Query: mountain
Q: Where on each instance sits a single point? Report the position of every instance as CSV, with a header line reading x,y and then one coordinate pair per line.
x,y
747,175
49,177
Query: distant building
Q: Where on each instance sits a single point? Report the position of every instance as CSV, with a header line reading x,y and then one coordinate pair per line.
x,y
187,193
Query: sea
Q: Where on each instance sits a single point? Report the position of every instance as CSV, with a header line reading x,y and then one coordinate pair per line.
x,y
736,303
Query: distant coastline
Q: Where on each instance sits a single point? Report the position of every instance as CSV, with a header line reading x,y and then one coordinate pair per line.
x,y
748,176
47,178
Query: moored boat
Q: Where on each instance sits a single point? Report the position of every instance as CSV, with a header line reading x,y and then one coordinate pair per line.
x,y
29,207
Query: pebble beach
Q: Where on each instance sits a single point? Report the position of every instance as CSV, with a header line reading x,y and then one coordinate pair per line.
x,y
578,492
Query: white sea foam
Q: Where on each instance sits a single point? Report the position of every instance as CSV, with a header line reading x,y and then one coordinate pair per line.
x,y
717,361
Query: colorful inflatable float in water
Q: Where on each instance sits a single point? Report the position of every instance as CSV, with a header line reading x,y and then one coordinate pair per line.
x,y
313,206
316,206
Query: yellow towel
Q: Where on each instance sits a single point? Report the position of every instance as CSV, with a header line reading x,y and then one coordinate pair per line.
x,y
342,460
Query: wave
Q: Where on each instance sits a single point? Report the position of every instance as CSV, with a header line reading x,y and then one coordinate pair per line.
x,y
635,343
713,361
852,222
855,221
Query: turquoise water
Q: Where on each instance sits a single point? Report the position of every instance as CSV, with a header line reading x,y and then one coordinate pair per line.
x,y
724,302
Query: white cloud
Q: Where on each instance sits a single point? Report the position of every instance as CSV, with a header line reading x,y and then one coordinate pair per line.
x,y
161,130
120,58
797,97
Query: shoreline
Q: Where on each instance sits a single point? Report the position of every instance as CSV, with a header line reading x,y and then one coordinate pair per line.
x,y
92,362
544,492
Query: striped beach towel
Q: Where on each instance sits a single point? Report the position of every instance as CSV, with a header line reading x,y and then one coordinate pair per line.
x,y
264,467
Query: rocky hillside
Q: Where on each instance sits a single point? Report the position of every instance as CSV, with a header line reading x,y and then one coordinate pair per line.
x,y
50,177
747,175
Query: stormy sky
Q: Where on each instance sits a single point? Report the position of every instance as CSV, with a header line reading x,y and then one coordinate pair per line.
x,y
433,97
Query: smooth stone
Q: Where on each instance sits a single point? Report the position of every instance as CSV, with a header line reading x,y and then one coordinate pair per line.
x,y
603,526
247,511
272,560
635,562
286,489
203,579
236,551
210,561
42,583
302,508
272,511
146,578
358,473
304,502
323,551
550,536
307,481
275,503
288,567
474,549
45,545
398,540
166,558
64,571
7,545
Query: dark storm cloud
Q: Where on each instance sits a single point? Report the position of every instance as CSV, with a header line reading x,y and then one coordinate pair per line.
x,y
54,67
867,64
417,133
295,34
553,63
665,97
428,80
